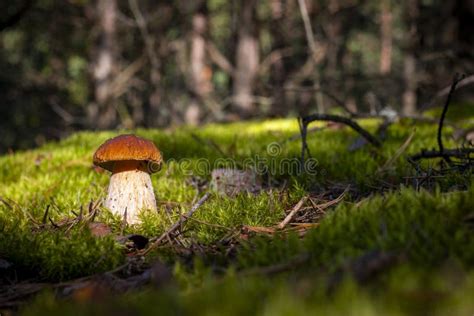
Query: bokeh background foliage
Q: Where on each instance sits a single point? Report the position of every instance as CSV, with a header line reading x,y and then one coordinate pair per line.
x,y
73,65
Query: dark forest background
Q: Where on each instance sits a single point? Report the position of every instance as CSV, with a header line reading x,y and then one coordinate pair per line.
x,y
105,64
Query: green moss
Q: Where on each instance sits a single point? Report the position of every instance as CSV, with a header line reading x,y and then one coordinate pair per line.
x,y
425,228
403,291
54,254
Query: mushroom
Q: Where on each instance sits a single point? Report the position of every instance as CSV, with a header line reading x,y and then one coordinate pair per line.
x,y
131,159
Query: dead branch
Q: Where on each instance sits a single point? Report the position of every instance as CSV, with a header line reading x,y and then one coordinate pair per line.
x,y
304,144
324,206
178,224
121,82
456,80
446,154
292,213
307,27
344,120
312,48
273,57
453,153
45,216
219,59
147,38
466,80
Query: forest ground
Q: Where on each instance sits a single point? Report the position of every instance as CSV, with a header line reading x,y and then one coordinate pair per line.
x,y
372,234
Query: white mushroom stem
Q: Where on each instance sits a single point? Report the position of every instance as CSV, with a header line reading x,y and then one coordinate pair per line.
x,y
132,191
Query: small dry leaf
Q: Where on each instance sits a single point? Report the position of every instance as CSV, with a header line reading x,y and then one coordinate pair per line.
x,y
99,229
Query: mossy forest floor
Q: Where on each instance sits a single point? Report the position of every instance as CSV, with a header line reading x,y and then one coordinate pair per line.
x,y
375,236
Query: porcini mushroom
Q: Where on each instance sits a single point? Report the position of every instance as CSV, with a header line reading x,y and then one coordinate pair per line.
x,y
131,159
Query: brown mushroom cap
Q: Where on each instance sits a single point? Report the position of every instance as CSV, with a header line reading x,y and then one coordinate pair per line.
x,y
127,148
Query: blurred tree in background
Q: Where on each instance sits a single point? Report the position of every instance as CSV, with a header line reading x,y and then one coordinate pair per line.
x,y
104,64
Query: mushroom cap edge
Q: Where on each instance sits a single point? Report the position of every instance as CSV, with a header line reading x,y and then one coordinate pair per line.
x,y
127,147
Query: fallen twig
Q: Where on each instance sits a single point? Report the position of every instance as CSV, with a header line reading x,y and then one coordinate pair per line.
x,y
456,153
299,226
456,80
466,80
344,120
304,121
172,229
45,216
304,144
259,229
446,154
292,213
335,201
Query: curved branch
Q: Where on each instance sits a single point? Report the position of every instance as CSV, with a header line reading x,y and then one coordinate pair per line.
x,y
340,119
455,153
456,80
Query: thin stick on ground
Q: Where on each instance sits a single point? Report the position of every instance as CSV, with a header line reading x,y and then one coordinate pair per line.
x,y
304,144
446,154
324,206
303,123
456,80
456,153
45,216
178,224
292,213
344,120
466,80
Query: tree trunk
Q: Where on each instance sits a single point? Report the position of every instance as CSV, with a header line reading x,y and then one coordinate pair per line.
x,y
385,37
155,97
335,32
150,38
279,30
200,73
410,58
409,95
246,58
102,113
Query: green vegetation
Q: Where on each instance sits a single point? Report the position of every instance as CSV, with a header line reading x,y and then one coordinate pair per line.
x,y
426,231
402,291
